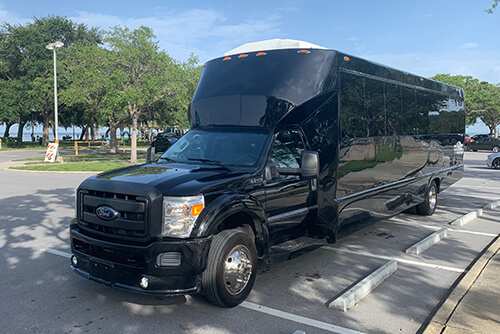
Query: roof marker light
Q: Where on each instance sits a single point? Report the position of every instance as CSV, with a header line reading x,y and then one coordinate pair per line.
x,y
304,51
226,58
243,55
204,65
261,54
347,58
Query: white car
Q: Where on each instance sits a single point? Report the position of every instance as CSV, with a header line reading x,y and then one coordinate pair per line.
x,y
493,160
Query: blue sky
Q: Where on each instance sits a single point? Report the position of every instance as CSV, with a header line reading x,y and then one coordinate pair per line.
x,y
424,37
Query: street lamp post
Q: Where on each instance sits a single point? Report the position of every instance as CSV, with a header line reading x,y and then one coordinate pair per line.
x,y
54,46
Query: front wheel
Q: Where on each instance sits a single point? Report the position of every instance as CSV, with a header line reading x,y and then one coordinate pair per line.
x,y
428,207
231,267
496,149
496,163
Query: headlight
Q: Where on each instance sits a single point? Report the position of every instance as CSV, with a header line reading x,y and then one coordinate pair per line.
x,y
179,215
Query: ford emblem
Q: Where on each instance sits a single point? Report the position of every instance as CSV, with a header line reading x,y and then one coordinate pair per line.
x,y
106,212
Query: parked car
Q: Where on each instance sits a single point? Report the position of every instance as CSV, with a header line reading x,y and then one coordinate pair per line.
x,y
493,161
163,141
484,143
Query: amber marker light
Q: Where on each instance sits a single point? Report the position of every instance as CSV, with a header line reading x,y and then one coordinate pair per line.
x,y
347,58
196,209
261,54
304,51
226,58
243,55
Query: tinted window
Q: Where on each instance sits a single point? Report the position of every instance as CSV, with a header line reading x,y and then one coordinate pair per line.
x,y
230,147
287,148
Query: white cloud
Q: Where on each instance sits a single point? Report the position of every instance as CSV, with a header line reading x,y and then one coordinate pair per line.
x,y
206,33
469,46
484,65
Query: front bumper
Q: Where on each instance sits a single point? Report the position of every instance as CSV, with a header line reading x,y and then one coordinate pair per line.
x,y
124,266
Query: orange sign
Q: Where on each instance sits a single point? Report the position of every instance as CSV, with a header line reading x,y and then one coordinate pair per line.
x,y
51,154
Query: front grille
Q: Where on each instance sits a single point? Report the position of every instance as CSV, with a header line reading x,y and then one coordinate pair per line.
x,y
130,221
126,258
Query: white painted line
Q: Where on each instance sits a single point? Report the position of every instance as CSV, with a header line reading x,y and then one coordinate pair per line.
x,y
410,262
473,232
299,319
428,242
364,287
467,218
430,227
492,205
57,252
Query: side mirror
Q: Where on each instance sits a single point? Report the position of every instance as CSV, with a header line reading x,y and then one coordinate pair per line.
x,y
271,171
309,164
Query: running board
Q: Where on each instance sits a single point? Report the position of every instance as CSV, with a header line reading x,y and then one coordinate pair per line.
x,y
282,252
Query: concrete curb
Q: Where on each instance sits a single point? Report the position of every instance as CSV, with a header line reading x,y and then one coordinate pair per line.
x,y
364,287
445,311
428,242
492,205
467,218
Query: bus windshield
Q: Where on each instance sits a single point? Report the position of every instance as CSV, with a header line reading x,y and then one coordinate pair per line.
x,y
228,147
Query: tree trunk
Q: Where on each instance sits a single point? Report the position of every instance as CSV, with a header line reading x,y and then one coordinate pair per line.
x,y
83,132
7,129
45,131
133,149
113,143
20,130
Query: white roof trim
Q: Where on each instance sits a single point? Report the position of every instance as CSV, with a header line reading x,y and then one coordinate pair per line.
x,y
273,44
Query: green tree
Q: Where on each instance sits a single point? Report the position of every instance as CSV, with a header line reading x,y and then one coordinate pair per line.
x,y
493,7
26,60
143,73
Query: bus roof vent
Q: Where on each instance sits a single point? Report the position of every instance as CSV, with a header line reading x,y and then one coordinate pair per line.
x,y
272,44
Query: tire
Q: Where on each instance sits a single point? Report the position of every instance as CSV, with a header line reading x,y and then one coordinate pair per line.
x,y
496,163
428,207
467,148
496,149
231,267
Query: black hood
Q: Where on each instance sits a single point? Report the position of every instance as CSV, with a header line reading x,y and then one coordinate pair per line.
x,y
175,179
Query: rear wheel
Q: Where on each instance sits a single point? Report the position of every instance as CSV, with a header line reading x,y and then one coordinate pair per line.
x,y
428,207
496,149
231,267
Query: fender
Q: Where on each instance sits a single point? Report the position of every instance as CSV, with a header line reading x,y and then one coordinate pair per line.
x,y
227,205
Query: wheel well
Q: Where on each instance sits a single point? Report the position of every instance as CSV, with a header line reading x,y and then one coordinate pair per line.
x,y
239,219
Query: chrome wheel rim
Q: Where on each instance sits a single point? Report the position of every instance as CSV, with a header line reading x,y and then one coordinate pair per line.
x,y
432,198
237,270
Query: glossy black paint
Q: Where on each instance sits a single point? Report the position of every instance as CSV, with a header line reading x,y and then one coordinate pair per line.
x,y
382,137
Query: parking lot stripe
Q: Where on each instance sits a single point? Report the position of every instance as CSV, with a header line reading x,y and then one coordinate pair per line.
x,y
428,242
298,319
354,294
416,263
57,252
450,229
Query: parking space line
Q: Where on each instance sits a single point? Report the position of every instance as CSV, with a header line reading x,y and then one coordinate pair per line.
x,y
301,320
450,229
57,252
416,263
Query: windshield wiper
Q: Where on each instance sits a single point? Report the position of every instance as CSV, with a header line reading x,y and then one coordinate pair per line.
x,y
168,159
209,161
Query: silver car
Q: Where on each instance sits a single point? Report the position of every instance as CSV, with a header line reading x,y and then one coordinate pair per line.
x,y
493,160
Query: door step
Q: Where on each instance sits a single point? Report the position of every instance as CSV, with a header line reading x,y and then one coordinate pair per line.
x,y
282,252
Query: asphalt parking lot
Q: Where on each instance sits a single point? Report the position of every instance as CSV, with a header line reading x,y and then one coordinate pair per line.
x,y
40,294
